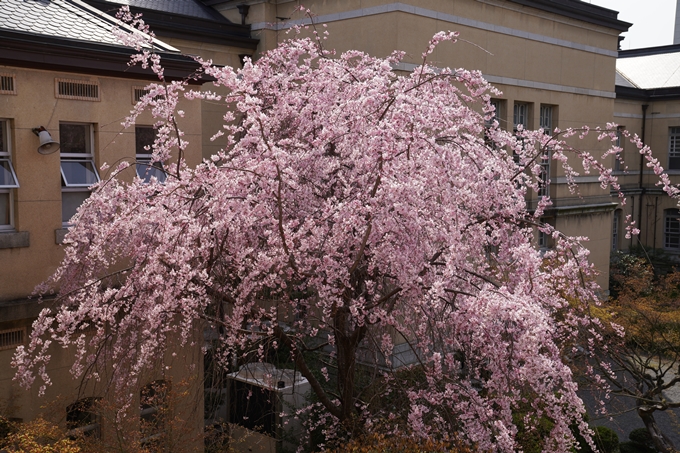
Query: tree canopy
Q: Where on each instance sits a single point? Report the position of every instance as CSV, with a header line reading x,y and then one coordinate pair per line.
x,y
354,212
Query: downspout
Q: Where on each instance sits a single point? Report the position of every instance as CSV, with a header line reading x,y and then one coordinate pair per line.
x,y
642,163
656,218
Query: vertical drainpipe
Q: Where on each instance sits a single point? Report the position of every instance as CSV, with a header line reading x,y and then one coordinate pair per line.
x,y
656,209
642,163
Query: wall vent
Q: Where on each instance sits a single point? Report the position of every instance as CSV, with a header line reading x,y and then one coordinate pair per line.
x,y
139,92
12,338
77,89
7,84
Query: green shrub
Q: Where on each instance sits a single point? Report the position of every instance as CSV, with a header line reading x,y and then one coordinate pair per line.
x,y
641,436
606,439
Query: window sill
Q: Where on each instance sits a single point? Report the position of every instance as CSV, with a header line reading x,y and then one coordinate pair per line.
x,y
59,235
14,239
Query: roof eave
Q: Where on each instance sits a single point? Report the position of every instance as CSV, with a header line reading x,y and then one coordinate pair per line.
x,y
649,94
580,10
177,26
59,54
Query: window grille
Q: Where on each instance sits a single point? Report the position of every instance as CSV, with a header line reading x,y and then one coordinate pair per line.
x,y
544,187
546,119
11,338
139,92
521,115
671,231
77,89
7,84
674,148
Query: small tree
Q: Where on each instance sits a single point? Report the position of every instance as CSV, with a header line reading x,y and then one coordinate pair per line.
x,y
38,436
352,209
646,362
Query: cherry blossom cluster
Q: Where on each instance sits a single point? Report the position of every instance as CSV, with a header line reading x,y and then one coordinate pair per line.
x,y
352,211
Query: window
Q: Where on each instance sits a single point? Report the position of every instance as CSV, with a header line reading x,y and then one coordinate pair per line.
x,y
153,410
10,339
544,183
616,221
144,138
83,90
253,407
671,232
618,164
82,418
8,179
546,118
78,171
495,116
674,148
8,84
520,115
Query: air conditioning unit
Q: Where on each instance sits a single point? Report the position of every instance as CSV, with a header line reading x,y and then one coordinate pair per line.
x,y
262,401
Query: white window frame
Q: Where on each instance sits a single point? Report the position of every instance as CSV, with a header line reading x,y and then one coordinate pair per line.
x,y
674,148
13,183
544,184
520,115
143,167
671,229
546,118
86,159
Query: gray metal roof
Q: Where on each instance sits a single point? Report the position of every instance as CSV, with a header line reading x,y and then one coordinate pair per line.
x,y
622,81
70,19
649,71
191,8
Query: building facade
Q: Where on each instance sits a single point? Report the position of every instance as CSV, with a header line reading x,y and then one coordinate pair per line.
x,y
62,72
554,61
648,104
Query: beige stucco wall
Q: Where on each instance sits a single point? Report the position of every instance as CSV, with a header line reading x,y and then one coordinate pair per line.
x,y
37,211
37,203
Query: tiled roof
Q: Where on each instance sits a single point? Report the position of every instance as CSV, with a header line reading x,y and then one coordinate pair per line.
x,y
650,71
70,19
191,8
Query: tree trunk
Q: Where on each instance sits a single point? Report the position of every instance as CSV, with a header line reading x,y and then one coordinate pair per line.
x,y
662,443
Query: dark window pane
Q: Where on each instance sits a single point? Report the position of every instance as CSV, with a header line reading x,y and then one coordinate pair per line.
x,y
144,137
674,163
74,138
4,208
70,201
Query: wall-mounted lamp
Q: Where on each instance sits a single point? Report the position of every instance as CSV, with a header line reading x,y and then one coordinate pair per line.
x,y
47,145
